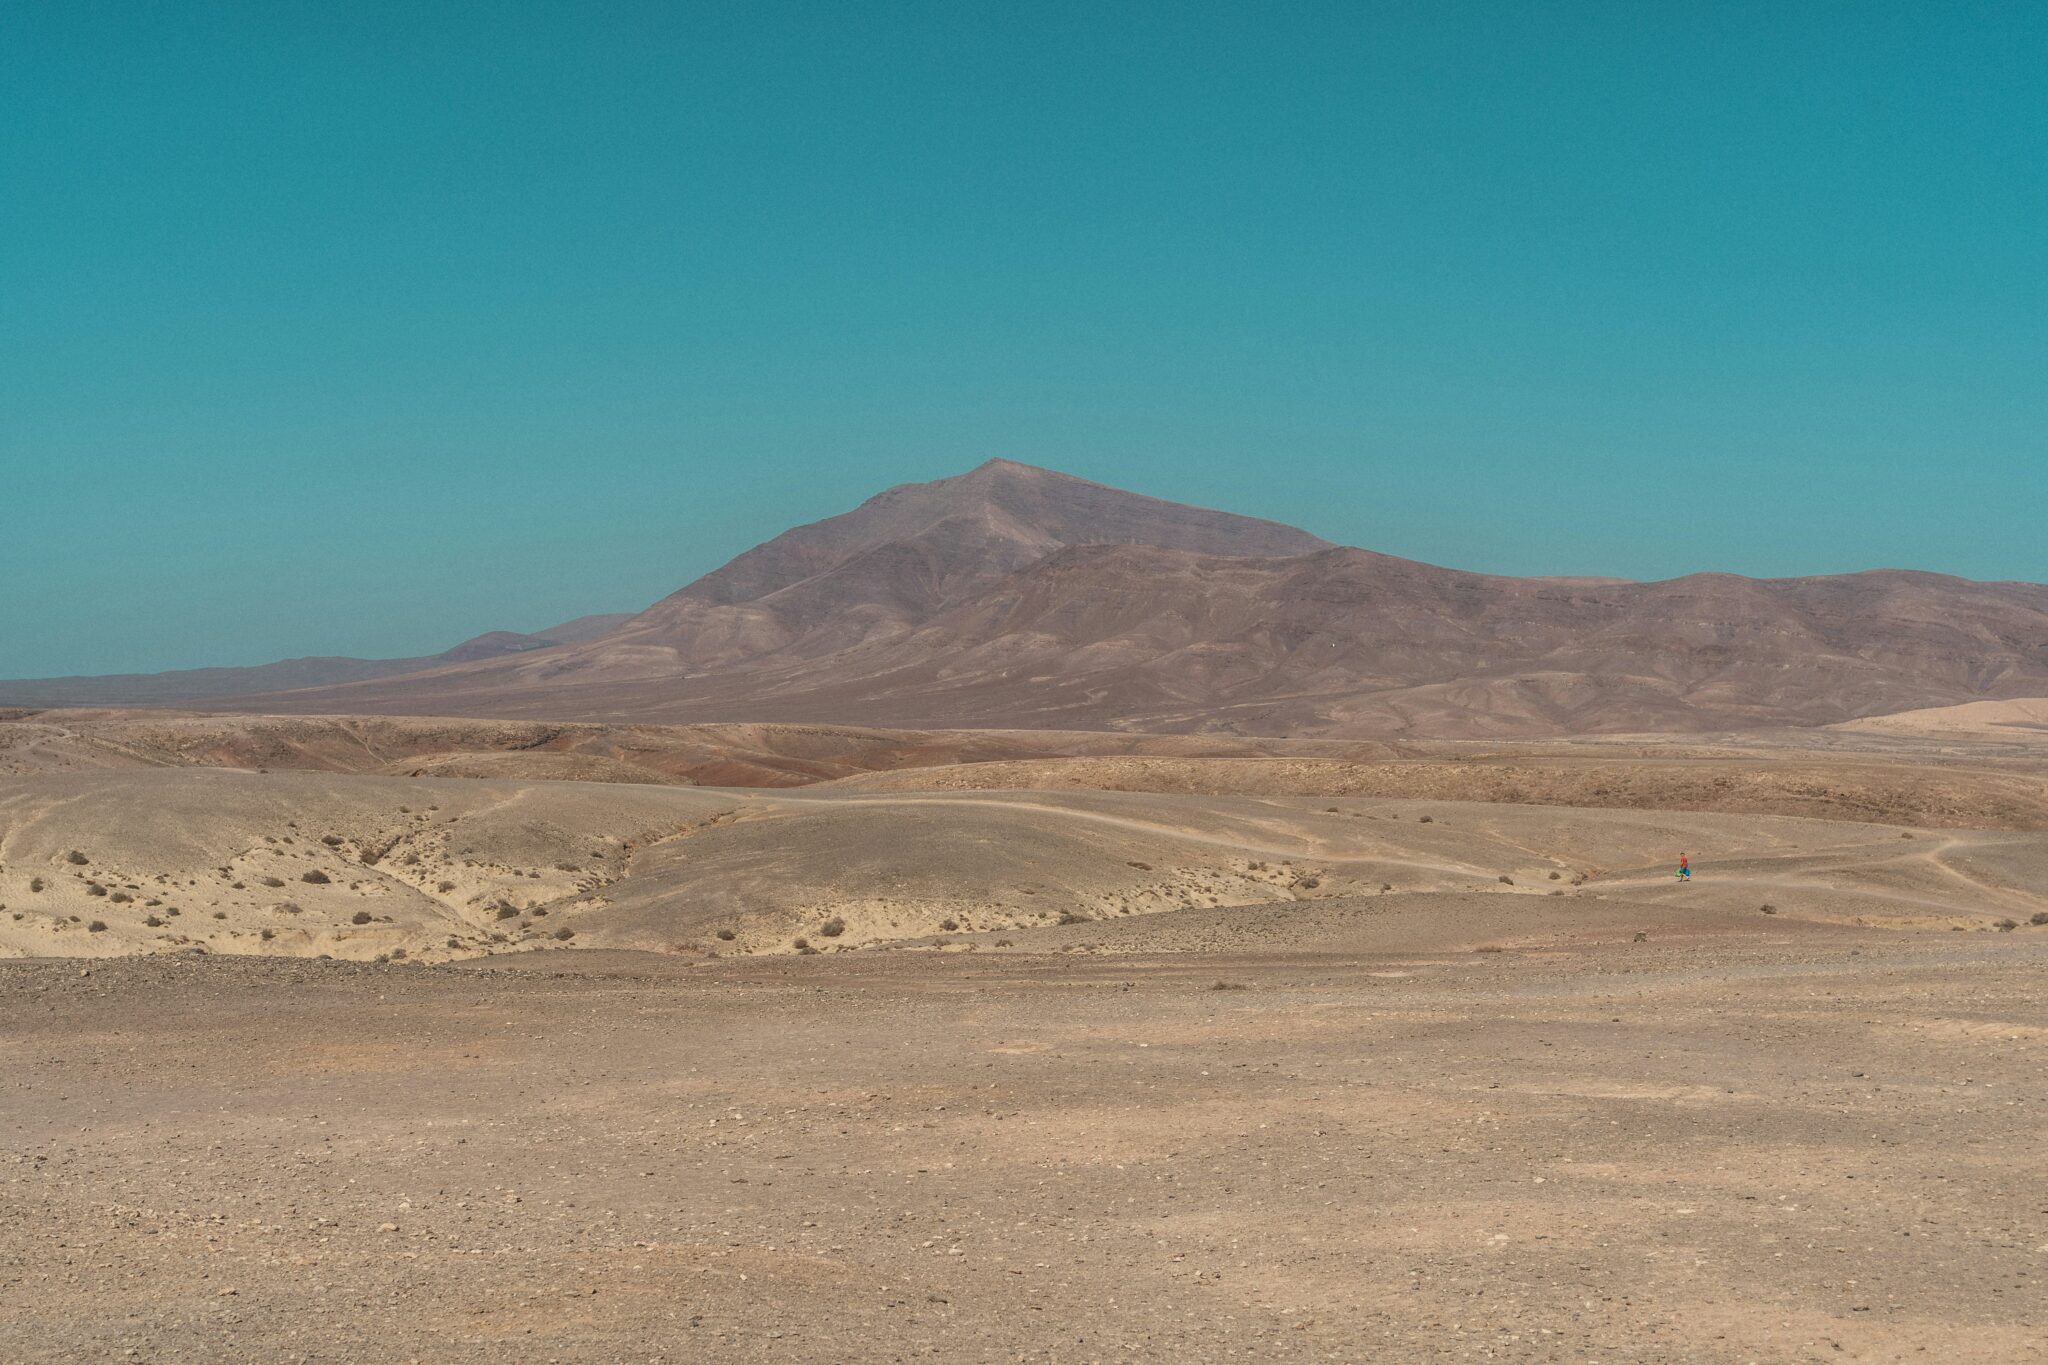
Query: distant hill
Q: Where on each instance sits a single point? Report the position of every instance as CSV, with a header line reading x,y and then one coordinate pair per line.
x,y
201,684
1012,596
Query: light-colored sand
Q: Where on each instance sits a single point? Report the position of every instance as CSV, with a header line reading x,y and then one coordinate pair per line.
x,y
439,867
2023,720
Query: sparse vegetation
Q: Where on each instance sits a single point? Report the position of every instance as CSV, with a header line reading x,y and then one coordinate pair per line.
x,y
726,935
1425,820
833,928
2006,926
506,912
565,933
267,934
359,917
95,889
444,887
1506,880
76,859
2040,917
331,840
271,881
1770,909
799,943
98,926
35,883
119,897
315,876
951,926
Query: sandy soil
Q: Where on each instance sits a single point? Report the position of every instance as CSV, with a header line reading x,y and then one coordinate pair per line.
x,y
1723,1143
317,864
2021,720
362,1067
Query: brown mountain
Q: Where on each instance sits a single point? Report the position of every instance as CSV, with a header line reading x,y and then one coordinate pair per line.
x,y
1013,596
1016,597
186,685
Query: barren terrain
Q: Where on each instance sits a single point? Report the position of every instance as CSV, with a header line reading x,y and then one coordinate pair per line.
x,y
1014,597
964,1046
1753,1141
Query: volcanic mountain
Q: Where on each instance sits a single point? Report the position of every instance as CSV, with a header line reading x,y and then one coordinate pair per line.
x,y
1016,597
187,685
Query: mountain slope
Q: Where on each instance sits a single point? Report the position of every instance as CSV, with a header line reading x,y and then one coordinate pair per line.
x,y
200,684
1017,597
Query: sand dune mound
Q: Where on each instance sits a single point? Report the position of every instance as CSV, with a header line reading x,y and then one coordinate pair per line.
x,y
2022,720
436,868
307,864
1869,790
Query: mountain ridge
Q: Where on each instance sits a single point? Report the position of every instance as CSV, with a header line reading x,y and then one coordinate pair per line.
x,y
1011,596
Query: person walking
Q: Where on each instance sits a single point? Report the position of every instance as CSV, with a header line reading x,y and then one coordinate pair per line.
x,y
1684,868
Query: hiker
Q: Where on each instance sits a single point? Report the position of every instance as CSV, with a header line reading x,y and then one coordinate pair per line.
x,y
1684,868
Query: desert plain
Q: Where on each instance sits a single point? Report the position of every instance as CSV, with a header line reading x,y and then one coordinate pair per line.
x,y
375,1039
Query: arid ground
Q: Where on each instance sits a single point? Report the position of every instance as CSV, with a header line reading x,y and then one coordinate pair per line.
x,y
1087,1050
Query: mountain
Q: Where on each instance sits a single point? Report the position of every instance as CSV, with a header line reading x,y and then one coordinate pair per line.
x,y
201,684
1016,597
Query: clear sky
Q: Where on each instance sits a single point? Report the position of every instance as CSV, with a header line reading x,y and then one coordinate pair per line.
x,y
361,328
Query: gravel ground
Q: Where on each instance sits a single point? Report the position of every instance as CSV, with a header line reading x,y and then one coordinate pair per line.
x,y
1718,1147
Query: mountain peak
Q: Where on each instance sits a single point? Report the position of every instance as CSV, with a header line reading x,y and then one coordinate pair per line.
x,y
996,517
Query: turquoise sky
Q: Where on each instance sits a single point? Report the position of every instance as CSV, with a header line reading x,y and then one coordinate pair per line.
x,y
360,328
